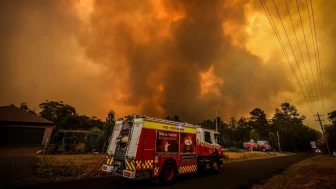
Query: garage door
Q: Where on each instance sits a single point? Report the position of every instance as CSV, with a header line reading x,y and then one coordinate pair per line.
x,y
17,135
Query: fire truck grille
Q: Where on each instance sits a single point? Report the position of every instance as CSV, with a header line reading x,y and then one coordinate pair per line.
x,y
187,169
130,165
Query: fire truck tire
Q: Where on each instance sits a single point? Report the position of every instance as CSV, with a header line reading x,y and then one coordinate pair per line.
x,y
214,164
249,149
168,173
264,150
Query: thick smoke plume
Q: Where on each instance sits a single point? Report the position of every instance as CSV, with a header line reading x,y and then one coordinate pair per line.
x,y
166,47
157,58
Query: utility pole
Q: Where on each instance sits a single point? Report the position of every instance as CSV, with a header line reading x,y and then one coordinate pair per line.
x,y
323,133
216,122
279,142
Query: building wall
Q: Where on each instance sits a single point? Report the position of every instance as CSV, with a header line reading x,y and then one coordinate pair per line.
x,y
47,132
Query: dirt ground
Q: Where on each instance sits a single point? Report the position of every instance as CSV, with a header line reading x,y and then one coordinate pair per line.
x,y
318,172
19,151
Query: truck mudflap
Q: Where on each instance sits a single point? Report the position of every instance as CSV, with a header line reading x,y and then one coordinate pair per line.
x,y
124,173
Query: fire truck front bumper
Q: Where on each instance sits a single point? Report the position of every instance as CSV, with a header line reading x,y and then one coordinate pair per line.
x,y
115,170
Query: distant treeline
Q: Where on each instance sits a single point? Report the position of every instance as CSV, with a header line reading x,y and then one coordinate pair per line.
x,y
294,135
331,131
65,116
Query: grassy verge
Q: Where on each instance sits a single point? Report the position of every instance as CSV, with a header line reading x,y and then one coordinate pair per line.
x,y
314,173
75,166
239,156
89,165
51,168
19,171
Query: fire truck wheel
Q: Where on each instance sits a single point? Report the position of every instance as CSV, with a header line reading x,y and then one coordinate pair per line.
x,y
264,150
214,165
168,173
249,149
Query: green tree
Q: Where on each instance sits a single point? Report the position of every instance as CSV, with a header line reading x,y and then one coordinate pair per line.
x,y
254,135
94,139
294,135
57,112
24,106
331,131
272,138
259,122
332,117
110,122
208,124
110,116
243,129
176,118
65,116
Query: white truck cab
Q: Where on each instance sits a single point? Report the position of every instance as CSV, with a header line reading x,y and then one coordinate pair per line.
x,y
208,136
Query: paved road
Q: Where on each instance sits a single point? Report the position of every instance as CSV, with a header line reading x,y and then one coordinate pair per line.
x,y
236,175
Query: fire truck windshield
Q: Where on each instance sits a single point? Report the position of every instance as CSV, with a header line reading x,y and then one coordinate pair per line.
x,y
217,139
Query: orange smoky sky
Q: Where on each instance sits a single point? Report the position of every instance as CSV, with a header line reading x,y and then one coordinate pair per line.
x,y
160,58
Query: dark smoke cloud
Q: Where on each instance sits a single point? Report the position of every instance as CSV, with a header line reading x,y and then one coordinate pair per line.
x,y
37,55
196,42
146,57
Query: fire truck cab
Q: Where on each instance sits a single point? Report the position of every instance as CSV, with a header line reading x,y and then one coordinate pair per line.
x,y
142,147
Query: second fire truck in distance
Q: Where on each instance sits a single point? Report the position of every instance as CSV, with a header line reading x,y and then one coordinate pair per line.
x,y
260,145
144,147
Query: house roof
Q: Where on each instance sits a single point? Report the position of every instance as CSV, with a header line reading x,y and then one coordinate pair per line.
x,y
12,114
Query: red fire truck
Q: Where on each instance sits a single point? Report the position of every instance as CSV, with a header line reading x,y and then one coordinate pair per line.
x,y
143,147
260,145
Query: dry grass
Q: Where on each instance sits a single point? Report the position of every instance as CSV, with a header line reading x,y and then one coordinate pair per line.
x,y
71,166
89,165
315,173
51,168
236,156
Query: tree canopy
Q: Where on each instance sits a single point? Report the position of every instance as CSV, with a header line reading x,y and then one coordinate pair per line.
x,y
286,121
294,135
65,116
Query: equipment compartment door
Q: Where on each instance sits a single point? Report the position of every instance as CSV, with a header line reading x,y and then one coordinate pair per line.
x,y
149,144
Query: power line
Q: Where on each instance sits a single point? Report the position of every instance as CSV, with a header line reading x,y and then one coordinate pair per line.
x,y
304,35
318,55
284,50
292,51
290,17
316,59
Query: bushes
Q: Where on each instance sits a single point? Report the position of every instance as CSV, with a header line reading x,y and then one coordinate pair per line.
x,y
94,139
63,141
238,144
233,149
107,133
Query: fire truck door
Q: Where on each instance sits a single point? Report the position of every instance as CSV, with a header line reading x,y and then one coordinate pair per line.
x,y
149,144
